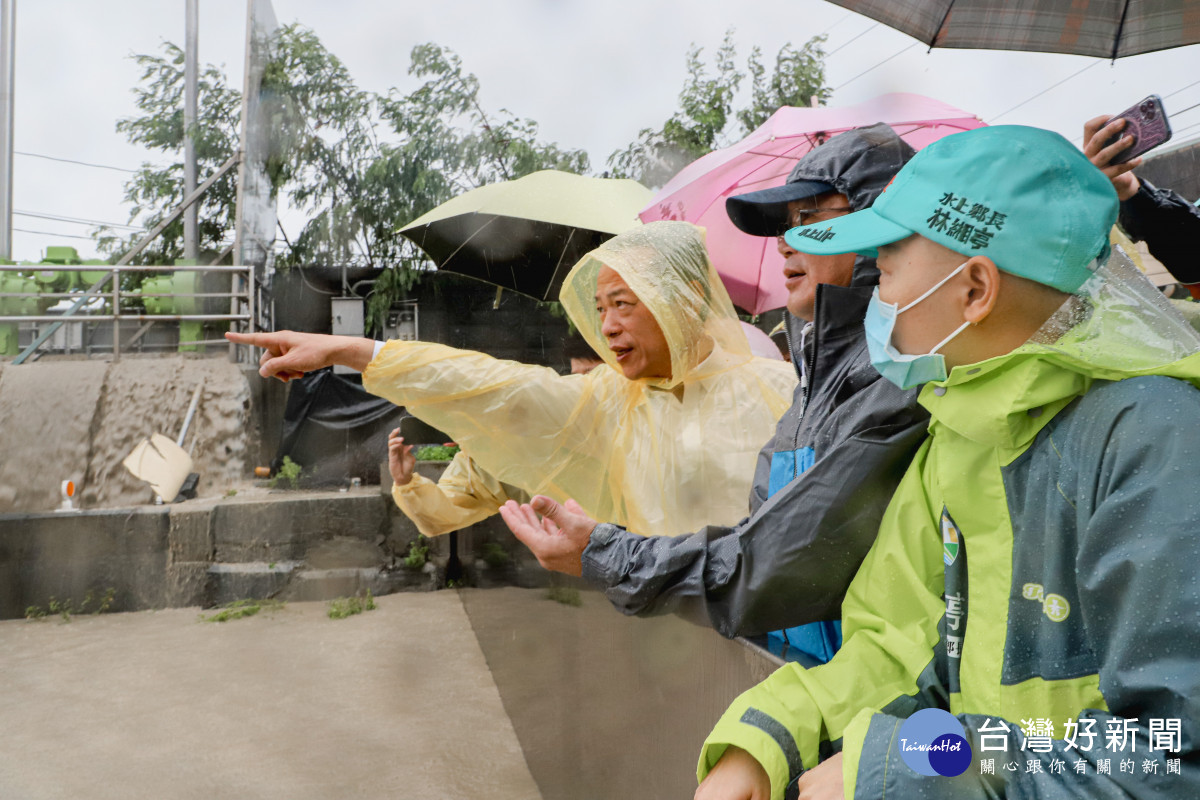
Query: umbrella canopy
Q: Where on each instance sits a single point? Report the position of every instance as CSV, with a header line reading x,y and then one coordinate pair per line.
x,y
527,233
751,266
1103,28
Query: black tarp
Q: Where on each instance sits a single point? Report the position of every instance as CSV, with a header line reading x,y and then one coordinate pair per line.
x,y
336,430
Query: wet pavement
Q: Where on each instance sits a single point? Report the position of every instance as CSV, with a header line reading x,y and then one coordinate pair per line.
x,y
607,707
289,704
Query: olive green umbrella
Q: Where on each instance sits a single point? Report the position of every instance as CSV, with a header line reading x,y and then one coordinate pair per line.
x,y
526,234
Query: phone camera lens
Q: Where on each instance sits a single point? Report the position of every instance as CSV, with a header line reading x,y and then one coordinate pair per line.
x,y
1148,110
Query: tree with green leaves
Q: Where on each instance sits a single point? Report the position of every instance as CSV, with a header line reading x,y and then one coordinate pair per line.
x,y
360,165
445,144
155,189
705,119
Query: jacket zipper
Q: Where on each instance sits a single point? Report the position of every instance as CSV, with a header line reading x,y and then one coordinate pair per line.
x,y
809,373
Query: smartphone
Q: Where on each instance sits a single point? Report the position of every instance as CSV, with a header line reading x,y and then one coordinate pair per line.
x,y
1147,123
417,432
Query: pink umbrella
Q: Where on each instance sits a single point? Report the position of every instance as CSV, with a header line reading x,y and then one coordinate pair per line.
x,y
750,266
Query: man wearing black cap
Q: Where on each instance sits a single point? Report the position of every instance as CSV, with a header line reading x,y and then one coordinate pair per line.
x,y
822,482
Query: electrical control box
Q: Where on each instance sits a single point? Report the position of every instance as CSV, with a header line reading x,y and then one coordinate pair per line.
x,y
347,320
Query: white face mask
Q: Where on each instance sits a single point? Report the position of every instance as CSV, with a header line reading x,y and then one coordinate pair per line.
x,y
906,371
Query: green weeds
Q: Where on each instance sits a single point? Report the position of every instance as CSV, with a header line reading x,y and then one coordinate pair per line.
x,y
436,452
288,474
418,553
344,607
92,604
239,609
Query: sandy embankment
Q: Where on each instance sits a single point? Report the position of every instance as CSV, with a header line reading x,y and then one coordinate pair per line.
x,y
79,419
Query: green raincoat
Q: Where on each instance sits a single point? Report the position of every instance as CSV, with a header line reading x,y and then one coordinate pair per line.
x,y
1037,563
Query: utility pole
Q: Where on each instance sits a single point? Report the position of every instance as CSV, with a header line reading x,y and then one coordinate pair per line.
x,y
191,246
8,46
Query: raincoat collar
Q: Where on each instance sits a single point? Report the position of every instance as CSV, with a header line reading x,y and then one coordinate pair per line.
x,y
1117,326
1005,401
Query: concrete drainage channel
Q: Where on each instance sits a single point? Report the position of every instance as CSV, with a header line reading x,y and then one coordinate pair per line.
x,y
603,706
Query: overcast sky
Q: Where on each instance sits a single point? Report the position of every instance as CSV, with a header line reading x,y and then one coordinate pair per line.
x,y
592,74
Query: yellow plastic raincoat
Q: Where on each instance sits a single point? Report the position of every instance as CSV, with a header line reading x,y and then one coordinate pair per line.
x,y
663,456
464,495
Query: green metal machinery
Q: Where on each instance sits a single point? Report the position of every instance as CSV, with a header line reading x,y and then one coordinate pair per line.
x,y
41,278
181,284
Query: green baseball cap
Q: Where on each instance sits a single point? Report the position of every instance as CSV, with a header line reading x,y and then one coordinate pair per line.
x,y
1024,197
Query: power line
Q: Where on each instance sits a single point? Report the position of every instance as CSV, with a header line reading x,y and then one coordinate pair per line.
x,y
1185,110
847,16
880,64
78,220
56,235
1043,91
843,44
1177,91
1188,128
73,161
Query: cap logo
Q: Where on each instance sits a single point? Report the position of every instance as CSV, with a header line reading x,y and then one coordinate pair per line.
x,y
956,217
816,235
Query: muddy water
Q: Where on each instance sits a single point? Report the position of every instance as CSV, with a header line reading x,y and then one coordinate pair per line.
x,y
395,703
79,419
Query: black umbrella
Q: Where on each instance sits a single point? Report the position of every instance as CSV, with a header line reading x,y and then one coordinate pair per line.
x,y
1103,28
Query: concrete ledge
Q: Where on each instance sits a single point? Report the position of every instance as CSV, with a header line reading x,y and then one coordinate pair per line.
x,y
65,556
201,552
289,523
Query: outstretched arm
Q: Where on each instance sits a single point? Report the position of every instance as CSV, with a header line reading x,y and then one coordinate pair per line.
x,y
288,354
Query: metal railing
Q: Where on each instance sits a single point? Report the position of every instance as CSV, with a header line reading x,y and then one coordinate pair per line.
x,y
248,309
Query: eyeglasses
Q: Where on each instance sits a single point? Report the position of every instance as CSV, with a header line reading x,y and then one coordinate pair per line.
x,y
807,216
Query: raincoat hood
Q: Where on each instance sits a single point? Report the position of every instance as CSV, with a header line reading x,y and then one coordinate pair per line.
x,y
1117,326
667,266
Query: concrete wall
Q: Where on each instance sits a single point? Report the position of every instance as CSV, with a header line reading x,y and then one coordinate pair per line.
x,y
293,545
201,553
1177,168
67,555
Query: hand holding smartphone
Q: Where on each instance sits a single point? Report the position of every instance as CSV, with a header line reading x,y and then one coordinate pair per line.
x,y
1147,123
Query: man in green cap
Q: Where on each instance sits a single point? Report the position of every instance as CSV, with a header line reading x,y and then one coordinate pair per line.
x,y
1027,623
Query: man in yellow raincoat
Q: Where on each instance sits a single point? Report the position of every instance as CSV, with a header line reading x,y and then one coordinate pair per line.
x,y
663,439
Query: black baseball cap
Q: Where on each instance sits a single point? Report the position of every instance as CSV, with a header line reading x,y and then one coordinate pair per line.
x,y
857,163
